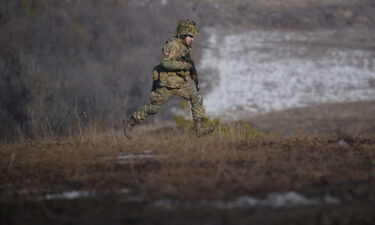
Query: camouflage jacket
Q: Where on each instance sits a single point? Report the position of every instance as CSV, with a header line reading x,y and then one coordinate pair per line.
x,y
173,69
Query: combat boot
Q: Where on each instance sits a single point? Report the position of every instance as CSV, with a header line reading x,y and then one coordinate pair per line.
x,y
202,129
128,125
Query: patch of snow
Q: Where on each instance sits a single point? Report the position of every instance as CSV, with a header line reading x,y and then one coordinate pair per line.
x,y
331,200
136,156
261,71
127,157
277,200
274,200
343,143
123,191
70,195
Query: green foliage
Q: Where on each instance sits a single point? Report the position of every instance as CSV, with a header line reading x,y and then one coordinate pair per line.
x,y
226,130
212,122
183,123
184,106
239,129
33,8
4,14
234,129
80,32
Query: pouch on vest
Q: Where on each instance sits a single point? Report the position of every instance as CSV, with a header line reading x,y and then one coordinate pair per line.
x,y
183,73
170,79
156,72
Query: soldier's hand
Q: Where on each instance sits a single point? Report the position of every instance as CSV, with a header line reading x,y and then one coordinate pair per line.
x,y
190,65
193,71
197,86
155,85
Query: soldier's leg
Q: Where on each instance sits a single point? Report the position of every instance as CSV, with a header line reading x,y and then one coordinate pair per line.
x,y
157,98
190,93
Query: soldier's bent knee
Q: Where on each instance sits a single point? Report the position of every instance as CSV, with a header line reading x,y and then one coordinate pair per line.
x,y
196,100
154,109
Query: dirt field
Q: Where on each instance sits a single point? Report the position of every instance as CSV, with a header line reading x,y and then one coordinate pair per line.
x,y
273,174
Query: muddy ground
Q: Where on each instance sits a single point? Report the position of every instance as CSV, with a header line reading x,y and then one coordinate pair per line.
x,y
244,173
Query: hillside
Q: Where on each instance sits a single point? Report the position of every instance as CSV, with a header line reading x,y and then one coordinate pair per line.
x,y
343,119
309,166
289,14
257,71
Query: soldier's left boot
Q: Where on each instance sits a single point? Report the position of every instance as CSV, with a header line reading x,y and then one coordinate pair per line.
x,y
128,125
201,129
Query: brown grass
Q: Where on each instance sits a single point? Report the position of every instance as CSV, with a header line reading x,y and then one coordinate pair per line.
x,y
341,119
188,166
234,161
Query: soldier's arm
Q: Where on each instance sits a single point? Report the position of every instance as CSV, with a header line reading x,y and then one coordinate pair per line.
x,y
169,59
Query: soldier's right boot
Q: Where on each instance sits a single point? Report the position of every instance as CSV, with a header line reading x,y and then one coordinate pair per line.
x,y
128,125
201,129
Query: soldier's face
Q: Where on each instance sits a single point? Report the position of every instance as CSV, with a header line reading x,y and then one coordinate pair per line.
x,y
189,39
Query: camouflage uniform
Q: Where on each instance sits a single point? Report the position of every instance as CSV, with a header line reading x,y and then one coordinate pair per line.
x,y
173,77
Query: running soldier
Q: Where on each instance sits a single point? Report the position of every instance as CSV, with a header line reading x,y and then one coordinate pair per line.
x,y
175,75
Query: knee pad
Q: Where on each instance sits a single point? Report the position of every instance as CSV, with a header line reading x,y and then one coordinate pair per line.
x,y
154,109
196,100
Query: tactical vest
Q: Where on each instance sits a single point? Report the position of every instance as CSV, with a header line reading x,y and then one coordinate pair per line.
x,y
172,79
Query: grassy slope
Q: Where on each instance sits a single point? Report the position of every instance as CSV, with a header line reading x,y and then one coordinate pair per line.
x,y
235,161
356,118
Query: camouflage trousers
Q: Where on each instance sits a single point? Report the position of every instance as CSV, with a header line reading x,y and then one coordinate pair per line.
x,y
160,95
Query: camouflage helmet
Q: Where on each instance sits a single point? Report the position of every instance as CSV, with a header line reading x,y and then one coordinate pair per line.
x,y
186,27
